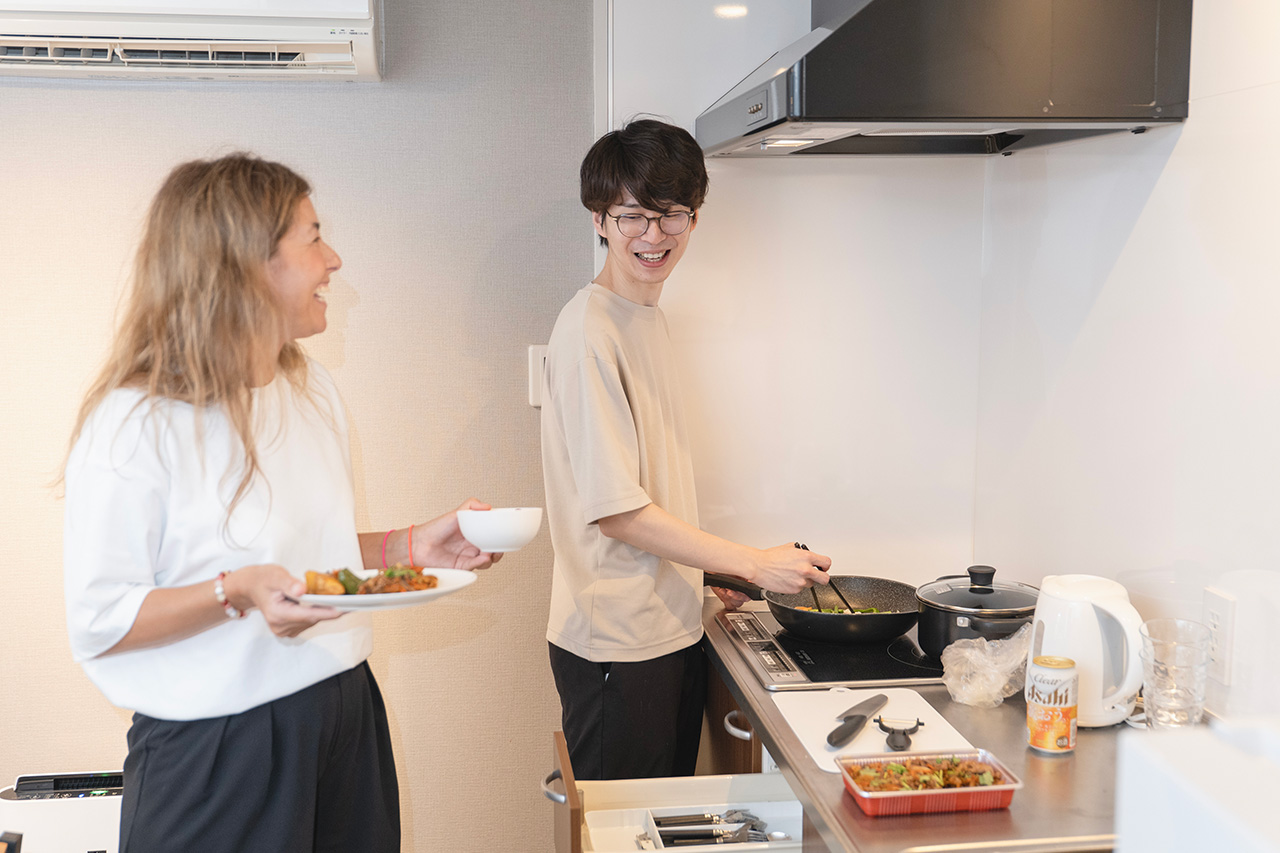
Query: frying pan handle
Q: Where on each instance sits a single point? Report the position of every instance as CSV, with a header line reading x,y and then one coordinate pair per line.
x,y
736,584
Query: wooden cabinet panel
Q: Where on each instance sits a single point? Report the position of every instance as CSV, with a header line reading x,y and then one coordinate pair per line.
x,y
721,752
568,815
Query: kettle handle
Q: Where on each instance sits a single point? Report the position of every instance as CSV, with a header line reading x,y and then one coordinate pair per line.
x,y
1130,621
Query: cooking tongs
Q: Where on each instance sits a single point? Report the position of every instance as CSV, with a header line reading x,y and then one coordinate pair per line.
x,y
817,605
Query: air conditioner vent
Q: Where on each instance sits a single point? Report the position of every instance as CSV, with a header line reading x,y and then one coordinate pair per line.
x,y
53,52
193,40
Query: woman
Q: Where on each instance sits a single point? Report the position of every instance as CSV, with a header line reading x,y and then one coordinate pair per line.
x,y
209,468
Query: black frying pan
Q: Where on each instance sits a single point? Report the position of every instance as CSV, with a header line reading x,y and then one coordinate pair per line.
x,y
895,600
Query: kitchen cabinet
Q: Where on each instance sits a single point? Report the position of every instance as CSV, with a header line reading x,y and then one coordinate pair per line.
x,y
722,752
617,808
1066,804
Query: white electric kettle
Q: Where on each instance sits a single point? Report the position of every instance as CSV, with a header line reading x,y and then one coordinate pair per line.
x,y
1090,620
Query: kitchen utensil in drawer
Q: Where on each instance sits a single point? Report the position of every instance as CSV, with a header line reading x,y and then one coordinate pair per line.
x,y
997,795
710,835
730,816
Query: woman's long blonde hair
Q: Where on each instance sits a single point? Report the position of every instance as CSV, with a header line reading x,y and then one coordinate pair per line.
x,y
201,312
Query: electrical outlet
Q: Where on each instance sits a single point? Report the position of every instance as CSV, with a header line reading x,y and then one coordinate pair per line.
x,y
537,361
1220,616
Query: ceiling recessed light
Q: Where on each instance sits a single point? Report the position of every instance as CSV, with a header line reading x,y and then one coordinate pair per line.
x,y
731,11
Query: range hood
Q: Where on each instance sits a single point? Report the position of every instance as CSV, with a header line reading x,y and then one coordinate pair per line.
x,y
959,77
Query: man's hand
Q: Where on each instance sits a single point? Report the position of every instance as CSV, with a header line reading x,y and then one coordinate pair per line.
x,y
788,569
731,598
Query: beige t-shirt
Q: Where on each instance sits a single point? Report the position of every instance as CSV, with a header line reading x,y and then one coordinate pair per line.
x,y
614,440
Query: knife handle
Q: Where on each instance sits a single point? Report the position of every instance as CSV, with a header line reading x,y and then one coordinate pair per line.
x,y
686,819
846,731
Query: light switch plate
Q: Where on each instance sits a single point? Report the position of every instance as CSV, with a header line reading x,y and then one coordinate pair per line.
x,y
537,362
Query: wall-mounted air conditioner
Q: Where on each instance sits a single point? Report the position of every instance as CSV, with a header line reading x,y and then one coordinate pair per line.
x,y
192,39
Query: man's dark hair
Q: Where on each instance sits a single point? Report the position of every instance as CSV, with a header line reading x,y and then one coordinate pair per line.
x,y
660,164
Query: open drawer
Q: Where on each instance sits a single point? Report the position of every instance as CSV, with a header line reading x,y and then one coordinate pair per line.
x,y
607,816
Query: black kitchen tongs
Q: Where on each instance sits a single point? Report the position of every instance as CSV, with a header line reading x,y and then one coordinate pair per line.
x,y
813,590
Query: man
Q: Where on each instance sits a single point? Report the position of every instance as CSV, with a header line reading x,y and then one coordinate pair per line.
x,y
626,595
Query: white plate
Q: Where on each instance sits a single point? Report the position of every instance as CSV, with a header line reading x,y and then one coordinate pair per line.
x,y
451,580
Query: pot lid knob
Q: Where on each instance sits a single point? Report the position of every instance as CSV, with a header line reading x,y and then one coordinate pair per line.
x,y
981,575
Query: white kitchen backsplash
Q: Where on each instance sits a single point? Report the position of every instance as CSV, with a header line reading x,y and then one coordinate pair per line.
x,y
827,316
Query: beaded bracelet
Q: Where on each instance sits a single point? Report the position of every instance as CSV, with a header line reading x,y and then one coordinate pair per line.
x,y
411,546
385,537
220,593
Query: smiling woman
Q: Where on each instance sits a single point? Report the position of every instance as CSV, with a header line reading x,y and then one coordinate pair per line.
x,y
210,467
299,274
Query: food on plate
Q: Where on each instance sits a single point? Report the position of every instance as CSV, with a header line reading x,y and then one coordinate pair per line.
x,y
350,582
398,579
925,775
345,582
324,584
839,609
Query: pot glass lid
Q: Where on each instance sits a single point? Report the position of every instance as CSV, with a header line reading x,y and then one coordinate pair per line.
x,y
979,591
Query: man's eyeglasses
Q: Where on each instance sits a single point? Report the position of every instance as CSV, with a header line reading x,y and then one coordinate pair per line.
x,y
635,225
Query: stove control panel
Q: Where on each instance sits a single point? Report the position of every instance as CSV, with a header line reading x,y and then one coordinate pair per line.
x,y
761,651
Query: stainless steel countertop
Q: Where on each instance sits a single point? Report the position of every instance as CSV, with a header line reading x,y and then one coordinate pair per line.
x,y
1066,803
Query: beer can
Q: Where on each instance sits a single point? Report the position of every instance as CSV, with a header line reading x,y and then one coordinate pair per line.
x,y
1051,692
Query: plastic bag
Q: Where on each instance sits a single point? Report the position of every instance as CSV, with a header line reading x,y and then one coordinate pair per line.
x,y
982,672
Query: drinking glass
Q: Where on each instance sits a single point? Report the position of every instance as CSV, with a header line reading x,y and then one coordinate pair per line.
x,y
1175,665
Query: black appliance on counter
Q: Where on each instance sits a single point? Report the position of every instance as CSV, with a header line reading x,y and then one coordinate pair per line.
x,y
782,661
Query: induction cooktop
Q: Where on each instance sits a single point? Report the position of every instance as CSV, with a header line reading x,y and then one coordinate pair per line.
x,y
783,661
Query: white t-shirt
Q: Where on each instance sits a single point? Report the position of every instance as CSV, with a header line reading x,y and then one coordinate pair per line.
x,y
614,440
146,509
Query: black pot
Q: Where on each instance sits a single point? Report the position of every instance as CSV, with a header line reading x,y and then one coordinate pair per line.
x,y
955,607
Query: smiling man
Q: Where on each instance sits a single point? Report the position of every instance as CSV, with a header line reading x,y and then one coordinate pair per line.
x,y
626,594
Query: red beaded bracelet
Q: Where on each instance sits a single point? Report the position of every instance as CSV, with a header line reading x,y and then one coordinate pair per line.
x,y
220,593
385,536
411,546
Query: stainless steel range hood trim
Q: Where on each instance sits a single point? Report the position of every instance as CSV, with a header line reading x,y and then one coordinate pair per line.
x,y
755,144
777,101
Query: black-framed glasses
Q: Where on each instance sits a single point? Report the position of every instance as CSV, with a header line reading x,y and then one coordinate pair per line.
x,y
635,224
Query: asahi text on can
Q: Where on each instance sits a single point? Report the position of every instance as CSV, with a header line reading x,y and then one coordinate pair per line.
x,y
1052,685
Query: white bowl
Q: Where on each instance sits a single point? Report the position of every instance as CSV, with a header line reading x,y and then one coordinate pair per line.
x,y
500,529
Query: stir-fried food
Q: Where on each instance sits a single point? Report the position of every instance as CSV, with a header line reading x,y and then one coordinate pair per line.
x,y
345,582
925,775
398,580
839,609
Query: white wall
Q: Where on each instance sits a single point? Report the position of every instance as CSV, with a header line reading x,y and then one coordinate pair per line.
x,y
1121,417
450,190
827,312
1130,362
